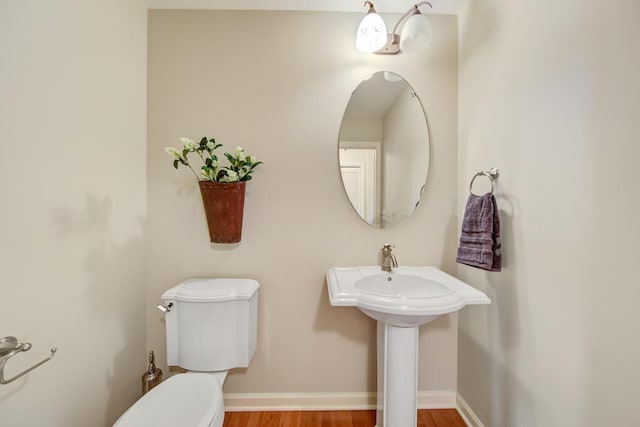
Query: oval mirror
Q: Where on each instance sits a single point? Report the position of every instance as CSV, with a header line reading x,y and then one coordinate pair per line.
x,y
384,150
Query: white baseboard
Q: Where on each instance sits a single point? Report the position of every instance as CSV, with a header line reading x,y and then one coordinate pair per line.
x,y
436,399
467,413
235,402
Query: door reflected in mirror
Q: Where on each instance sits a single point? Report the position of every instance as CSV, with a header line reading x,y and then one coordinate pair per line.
x,y
383,150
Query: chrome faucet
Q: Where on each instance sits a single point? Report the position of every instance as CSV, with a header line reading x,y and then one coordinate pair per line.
x,y
389,260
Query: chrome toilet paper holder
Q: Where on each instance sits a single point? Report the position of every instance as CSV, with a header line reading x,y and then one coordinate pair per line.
x,y
9,347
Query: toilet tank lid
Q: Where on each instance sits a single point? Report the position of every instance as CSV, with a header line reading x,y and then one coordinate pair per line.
x,y
208,290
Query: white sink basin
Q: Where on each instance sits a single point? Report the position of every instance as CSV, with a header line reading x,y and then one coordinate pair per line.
x,y
401,286
407,296
400,301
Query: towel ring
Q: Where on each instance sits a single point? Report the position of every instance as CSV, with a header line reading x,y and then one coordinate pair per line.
x,y
492,174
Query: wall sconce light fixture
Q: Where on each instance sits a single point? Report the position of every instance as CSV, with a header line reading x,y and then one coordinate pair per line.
x,y
372,34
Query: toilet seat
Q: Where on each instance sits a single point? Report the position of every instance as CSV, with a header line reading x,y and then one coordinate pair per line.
x,y
186,400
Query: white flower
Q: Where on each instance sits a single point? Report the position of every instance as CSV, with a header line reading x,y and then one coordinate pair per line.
x,y
239,153
189,144
175,153
208,173
210,145
231,177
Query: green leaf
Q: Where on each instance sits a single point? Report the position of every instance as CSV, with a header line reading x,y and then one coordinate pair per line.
x,y
175,163
203,141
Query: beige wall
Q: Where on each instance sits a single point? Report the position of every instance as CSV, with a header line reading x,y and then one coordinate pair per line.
x,y
549,93
406,155
365,129
277,84
72,114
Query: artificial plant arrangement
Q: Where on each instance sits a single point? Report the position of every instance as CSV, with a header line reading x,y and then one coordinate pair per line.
x,y
240,165
222,187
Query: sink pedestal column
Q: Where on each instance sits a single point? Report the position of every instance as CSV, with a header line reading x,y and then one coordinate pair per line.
x,y
397,376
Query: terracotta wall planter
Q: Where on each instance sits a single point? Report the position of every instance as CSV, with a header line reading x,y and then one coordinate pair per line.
x,y
224,207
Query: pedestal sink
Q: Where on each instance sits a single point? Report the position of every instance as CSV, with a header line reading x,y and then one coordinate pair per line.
x,y
401,301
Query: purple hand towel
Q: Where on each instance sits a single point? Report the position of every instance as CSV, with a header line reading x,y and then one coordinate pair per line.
x,y
480,237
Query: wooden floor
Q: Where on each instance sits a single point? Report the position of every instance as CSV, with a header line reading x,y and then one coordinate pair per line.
x,y
426,418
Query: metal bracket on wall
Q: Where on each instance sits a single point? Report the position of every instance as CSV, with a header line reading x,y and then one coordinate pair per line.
x,y
9,346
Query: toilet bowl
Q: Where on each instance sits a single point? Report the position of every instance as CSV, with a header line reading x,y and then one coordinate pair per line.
x,y
211,327
193,400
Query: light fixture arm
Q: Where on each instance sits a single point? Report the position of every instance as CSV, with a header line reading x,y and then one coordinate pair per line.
x,y
393,39
371,8
412,11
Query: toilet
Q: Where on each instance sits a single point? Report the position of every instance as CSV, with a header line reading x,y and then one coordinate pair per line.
x,y
211,327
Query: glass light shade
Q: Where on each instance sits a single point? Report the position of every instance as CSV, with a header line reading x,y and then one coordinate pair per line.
x,y
372,33
416,33
392,77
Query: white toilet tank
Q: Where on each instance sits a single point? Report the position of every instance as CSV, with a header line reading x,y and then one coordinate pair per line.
x,y
211,324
